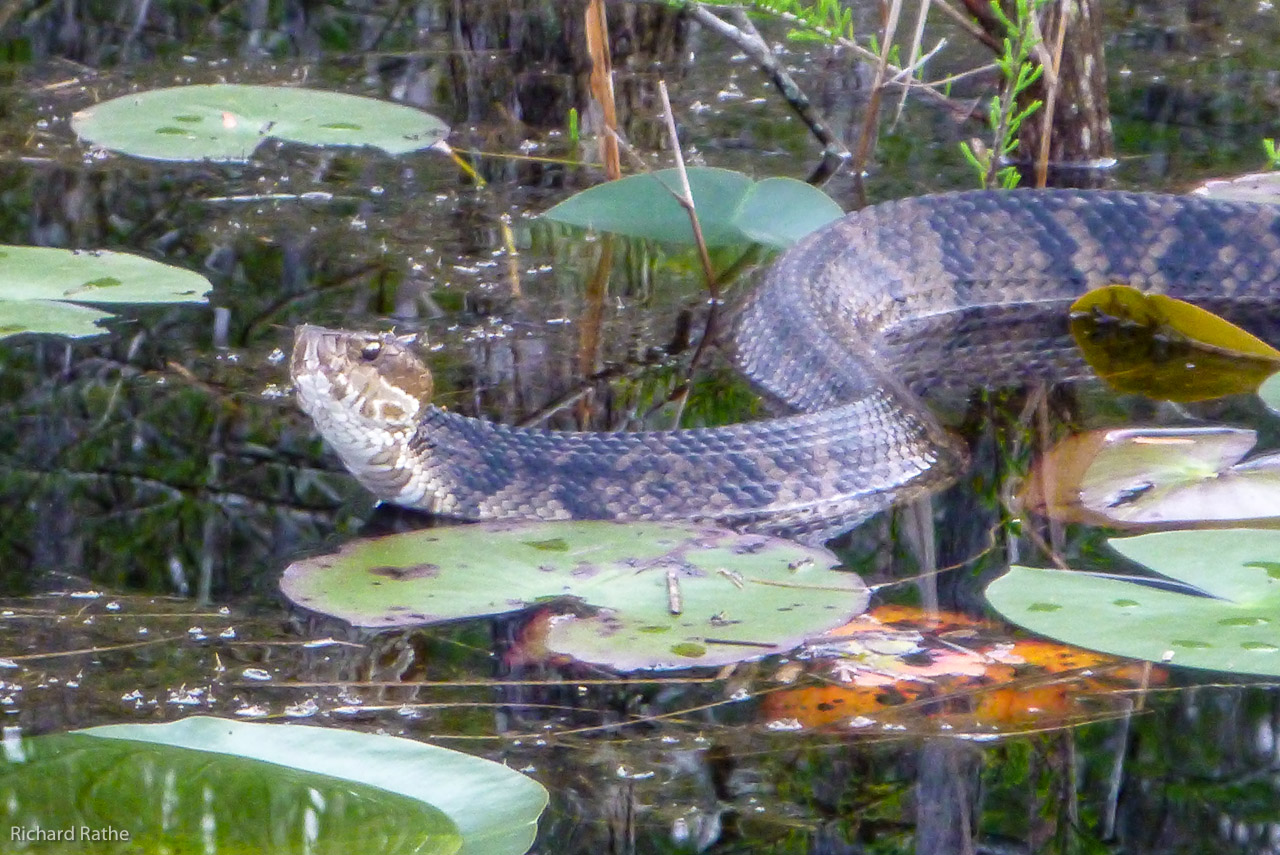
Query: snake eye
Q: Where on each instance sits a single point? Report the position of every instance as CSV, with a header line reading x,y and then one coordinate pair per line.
x,y
370,351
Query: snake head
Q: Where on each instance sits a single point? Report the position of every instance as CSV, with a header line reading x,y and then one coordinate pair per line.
x,y
365,391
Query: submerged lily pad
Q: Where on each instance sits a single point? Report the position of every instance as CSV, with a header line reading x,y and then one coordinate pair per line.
x,y
665,595
1166,348
227,122
214,785
1143,477
1235,628
35,281
732,208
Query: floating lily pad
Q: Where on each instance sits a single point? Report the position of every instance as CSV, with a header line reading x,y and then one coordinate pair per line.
x,y
227,122
1144,477
125,796
1256,187
738,596
732,208
207,784
34,282
1162,347
1235,628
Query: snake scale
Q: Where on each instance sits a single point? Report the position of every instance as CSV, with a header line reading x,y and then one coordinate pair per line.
x,y
836,324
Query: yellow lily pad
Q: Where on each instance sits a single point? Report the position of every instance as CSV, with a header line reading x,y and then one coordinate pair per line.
x,y
1162,347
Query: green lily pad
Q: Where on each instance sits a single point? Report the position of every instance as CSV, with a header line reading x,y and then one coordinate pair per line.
x,y
48,316
732,209
395,794
78,793
227,122
35,281
737,596
1236,628
1269,392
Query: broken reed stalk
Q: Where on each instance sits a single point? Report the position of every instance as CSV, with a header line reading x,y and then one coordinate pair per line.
x,y
602,85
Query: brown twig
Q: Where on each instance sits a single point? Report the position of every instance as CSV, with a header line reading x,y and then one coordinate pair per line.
x,y
872,118
593,320
914,60
1051,97
685,198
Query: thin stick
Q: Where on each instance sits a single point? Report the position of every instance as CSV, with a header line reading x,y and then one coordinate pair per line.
x,y
908,72
872,118
675,603
912,59
834,152
685,196
1050,98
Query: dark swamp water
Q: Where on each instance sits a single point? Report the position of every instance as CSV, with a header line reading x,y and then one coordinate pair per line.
x,y
157,480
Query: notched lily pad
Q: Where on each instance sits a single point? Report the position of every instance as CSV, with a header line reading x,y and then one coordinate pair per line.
x,y
1158,346
35,281
732,208
227,122
1234,628
657,595
1151,477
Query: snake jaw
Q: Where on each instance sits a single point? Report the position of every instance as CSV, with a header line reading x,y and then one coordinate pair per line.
x,y
365,393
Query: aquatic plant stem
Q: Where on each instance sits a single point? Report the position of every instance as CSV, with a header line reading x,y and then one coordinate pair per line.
x,y
597,31
871,120
685,198
1051,97
914,60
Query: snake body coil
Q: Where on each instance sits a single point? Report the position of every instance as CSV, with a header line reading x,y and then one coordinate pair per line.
x,y
902,293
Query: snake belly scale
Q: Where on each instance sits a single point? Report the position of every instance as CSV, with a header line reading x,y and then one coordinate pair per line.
x,y
827,333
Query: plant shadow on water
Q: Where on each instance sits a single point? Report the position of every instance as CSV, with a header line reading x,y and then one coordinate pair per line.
x,y
157,480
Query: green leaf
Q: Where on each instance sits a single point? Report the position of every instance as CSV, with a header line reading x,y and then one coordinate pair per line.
x,y
732,209
226,122
739,596
495,809
778,212
35,280
126,796
1235,629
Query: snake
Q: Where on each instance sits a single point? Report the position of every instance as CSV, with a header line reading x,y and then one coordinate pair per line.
x,y
846,330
